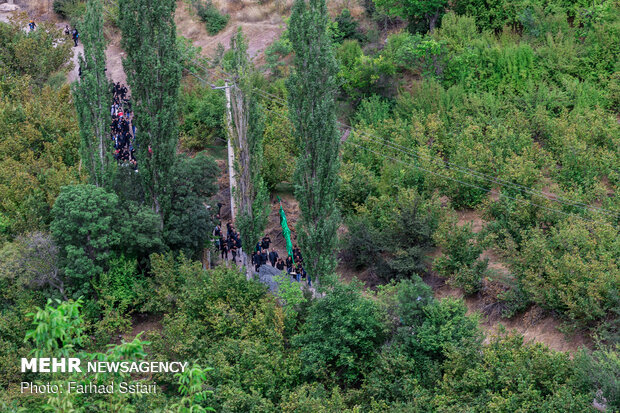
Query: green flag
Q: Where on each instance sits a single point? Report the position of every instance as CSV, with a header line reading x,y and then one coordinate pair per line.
x,y
285,230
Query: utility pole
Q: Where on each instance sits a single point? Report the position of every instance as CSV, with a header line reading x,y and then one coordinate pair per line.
x,y
231,153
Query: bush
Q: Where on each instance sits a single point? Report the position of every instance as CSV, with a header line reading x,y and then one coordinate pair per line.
x,y
341,336
357,184
572,268
510,375
393,236
460,261
202,111
514,301
72,10
362,247
276,52
59,6
600,371
346,27
213,18
279,148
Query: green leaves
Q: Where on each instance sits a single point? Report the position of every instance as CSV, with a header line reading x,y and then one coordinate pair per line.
x,y
153,73
341,336
59,330
312,109
85,230
92,99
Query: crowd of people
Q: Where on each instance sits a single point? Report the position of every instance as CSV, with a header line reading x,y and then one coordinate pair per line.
x,y
75,35
263,252
232,242
122,129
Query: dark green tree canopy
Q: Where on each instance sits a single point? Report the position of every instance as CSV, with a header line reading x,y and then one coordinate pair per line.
x,y
153,71
312,87
85,229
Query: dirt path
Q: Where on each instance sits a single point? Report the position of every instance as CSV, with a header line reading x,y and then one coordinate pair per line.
x,y
72,76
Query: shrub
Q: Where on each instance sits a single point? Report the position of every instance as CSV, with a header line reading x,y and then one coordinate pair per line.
x,y
59,6
346,27
572,268
357,184
202,111
341,336
393,234
73,10
362,248
279,148
276,52
510,375
514,301
213,18
372,110
600,371
460,260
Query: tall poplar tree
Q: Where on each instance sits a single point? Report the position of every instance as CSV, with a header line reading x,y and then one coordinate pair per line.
x,y
312,87
154,73
92,99
251,194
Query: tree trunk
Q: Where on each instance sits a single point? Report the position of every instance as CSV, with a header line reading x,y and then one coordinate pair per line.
x,y
432,21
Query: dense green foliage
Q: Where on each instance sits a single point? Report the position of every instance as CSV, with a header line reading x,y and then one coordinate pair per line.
x,y
312,87
484,130
345,351
92,97
215,20
39,139
154,73
518,124
202,122
187,222
247,127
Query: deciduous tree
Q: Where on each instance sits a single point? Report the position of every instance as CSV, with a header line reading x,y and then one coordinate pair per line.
x,y
312,87
154,73
92,97
247,133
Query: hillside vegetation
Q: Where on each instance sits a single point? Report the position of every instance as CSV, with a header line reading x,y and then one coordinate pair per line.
x,y
379,126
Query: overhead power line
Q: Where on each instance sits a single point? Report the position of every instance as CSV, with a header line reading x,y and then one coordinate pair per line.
x,y
436,160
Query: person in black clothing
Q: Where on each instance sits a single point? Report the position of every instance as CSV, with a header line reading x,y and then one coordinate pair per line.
x,y
233,251
264,257
217,231
289,264
238,241
224,248
256,260
75,34
280,264
273,256
266,242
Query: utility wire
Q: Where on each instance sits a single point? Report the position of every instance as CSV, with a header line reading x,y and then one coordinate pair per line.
x,y
449,165
464,170
454,179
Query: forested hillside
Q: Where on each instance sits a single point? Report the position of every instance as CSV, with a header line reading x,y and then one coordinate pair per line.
x,y
285,208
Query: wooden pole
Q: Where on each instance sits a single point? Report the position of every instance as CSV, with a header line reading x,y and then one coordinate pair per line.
x,y
231,155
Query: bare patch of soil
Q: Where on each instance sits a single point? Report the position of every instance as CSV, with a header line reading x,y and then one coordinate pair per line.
x,y
467,216
143,323
114,60
535,324
260,32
